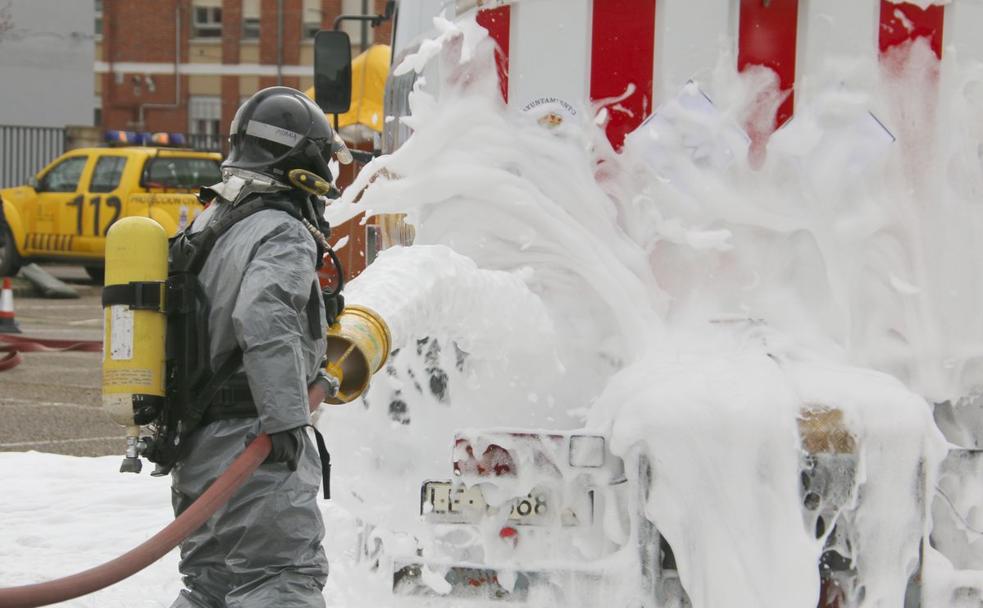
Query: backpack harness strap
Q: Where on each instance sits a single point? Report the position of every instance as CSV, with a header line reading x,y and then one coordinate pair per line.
x,y
138,295
196,412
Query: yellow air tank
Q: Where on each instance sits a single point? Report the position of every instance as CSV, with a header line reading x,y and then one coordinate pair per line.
x,y
135,327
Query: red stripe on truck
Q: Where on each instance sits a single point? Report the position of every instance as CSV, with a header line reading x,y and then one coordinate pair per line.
x,y
767,37
905,22
622,57
498,21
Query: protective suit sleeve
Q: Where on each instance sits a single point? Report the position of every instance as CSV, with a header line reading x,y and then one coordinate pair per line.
x,y
270,324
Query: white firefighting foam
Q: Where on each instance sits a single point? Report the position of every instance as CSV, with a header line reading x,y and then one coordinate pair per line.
x,y
643,276
655,266
445,295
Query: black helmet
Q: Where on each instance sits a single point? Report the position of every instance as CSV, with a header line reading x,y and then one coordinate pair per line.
x,y
279,129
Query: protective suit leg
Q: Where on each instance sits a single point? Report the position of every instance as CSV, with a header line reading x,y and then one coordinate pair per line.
x,y
263,548
274,552
194,599
202,564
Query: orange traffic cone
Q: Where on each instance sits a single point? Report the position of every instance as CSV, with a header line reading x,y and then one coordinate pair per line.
x,y
8,325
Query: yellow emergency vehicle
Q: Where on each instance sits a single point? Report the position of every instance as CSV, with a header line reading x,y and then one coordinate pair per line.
x,y
65,211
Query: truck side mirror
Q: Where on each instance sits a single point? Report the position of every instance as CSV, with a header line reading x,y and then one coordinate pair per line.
x,y
333,71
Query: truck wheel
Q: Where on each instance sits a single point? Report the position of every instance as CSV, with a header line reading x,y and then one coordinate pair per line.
x,y
10,261
96,273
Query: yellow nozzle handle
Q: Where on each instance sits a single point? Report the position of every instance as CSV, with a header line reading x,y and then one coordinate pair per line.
x,y
358,346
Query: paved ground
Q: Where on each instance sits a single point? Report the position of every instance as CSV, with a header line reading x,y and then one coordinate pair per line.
x,y
51,402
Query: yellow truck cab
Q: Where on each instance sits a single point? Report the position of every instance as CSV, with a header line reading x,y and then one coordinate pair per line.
x,y
65,211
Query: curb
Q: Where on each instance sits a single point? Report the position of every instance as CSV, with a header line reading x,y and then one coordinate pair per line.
x,y
24,288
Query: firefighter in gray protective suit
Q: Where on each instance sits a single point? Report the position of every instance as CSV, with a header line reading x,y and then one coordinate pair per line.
x,y
263,548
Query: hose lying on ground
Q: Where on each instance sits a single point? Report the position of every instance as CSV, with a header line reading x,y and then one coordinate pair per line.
x,y
14,345
131,562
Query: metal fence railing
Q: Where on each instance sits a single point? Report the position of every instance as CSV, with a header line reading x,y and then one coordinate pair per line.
x,y
207,141
25,150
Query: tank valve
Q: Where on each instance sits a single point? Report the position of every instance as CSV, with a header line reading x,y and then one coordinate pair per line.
x,y
134,447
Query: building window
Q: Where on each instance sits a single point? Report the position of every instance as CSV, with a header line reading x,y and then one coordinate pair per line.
x,y
311,23
355,28
205,118
206,19
98,28
250,20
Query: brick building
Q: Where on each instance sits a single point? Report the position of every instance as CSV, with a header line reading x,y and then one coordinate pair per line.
x,y
186,65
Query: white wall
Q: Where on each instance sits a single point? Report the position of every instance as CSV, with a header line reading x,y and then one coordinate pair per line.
x,y
962,31
690,36
549,51
47,54
837,44
415,19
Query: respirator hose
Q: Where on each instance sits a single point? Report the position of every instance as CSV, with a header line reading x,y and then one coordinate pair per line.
x,y
131,562
338,272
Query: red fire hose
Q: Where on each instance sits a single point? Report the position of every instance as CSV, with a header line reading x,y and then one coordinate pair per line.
x,y
138,558
14,345
131,562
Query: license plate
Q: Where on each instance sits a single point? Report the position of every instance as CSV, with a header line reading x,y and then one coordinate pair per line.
x,y
446,502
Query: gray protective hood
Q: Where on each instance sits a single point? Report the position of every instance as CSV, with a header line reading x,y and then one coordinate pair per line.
x,y
237,184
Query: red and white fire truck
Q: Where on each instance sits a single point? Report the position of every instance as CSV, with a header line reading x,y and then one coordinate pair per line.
x,y
629,56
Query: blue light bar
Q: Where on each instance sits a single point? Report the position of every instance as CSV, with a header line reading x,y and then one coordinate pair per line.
x,y
133,138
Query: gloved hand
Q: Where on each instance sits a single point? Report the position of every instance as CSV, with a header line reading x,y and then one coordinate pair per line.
x,y
286,447
324,386
333,305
